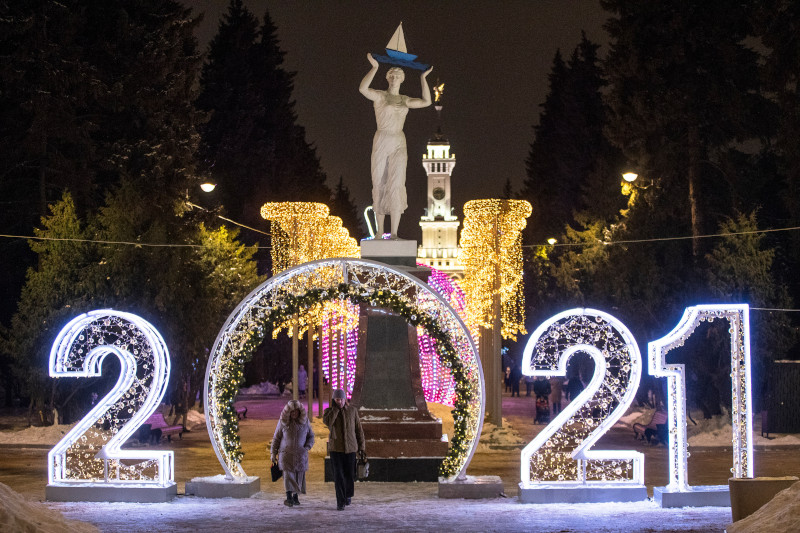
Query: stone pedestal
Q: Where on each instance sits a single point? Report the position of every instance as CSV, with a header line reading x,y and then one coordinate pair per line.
x,y
581,493
698,496
403,440
396,252
221,487
748,495
103,492
471,488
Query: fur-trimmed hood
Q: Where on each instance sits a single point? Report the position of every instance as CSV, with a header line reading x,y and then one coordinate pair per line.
x,y
287,411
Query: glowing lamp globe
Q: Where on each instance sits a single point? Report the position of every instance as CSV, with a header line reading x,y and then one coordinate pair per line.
x,y
630,177
208,187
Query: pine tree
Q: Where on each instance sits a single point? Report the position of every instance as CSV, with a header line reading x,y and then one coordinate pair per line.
x,y
342,206
252,144
682,88
571,167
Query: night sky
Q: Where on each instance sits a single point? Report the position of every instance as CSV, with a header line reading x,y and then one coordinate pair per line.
x,y
493,57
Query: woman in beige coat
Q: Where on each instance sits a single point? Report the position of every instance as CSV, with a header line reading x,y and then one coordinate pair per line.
x,y
290,445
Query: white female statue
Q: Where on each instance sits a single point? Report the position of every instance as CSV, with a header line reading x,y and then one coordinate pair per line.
x,y
389,155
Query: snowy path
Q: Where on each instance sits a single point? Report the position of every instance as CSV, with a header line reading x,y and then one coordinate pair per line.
x,y
390,507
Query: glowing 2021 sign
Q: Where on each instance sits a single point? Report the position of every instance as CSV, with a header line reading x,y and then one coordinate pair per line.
x,y
559,464
88,463
678,492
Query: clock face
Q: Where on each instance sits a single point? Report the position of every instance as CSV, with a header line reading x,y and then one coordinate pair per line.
x,y
438,193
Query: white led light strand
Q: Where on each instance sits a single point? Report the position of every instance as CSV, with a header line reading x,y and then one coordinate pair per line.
x,y
90,452
738,316
561,453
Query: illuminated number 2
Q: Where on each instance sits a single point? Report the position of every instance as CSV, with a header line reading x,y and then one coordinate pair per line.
x,y
738,316
90,452
561,453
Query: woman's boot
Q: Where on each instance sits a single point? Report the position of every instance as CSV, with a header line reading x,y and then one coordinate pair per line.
x,y
295,500
289,501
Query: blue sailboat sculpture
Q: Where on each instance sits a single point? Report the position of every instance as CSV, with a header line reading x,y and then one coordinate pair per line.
x,y
397,53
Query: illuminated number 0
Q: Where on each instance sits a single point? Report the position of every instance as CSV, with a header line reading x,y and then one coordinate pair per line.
x,y
90,452
561,453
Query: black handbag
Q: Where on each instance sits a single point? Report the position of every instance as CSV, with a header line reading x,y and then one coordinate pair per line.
x,y
276,472
362,467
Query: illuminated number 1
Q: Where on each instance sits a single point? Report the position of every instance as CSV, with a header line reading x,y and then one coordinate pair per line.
x,y
90,452
738,316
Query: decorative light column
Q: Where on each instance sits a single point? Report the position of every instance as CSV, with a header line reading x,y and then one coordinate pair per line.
x,y
491,253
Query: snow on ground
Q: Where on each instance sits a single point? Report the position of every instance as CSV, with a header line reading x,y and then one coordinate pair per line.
x,y
708,432
17,514
261,388
782,513
389,507
35,435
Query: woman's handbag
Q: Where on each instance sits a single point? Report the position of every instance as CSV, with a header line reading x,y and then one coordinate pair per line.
x,y
362,466
276,472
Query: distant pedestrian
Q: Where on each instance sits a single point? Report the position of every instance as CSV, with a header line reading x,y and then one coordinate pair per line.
x,y
541,388
516,375
574,387
346,438
315,382
302,381
291,443
507,378
529,384
556,390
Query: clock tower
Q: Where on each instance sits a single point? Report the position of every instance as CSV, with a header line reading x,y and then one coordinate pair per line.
x,y
439,247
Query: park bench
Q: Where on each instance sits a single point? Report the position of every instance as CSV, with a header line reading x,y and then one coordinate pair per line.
x,y
159,428
241,412
657,427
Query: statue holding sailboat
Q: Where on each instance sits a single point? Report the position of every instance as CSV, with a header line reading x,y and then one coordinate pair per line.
x,y
389,153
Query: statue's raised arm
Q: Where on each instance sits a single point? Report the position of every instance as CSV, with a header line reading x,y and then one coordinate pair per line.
x,y
425,101
364,88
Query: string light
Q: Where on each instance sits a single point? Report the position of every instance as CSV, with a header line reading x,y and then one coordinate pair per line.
x,y
491,252
91,451
562,454
303,232
738,318
356,281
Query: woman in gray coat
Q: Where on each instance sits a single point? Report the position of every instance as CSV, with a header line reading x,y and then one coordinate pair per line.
x,y
290,445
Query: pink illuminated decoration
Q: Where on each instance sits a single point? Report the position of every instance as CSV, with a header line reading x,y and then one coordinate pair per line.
x,y
340,341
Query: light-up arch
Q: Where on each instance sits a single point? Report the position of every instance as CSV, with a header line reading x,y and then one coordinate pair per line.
x,y
300,288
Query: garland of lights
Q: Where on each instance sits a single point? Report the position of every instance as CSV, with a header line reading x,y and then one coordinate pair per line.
x,y
491,252
90,452
312,285
738,316
561,454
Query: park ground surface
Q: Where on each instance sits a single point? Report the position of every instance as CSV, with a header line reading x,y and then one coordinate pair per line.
x,y
389,506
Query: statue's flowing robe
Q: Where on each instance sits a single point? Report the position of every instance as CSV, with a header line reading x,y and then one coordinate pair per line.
x,y
389,156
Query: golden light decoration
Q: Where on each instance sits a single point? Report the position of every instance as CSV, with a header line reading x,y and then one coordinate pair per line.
x,y
491,252
303,232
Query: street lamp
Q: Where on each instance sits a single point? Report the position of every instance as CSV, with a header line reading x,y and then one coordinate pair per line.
x,y
630,177
551,241
208,186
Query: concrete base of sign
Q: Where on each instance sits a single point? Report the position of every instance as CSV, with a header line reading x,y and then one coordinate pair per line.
x,y
582,493
103,492
698,496
220,487
471,488
748,495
